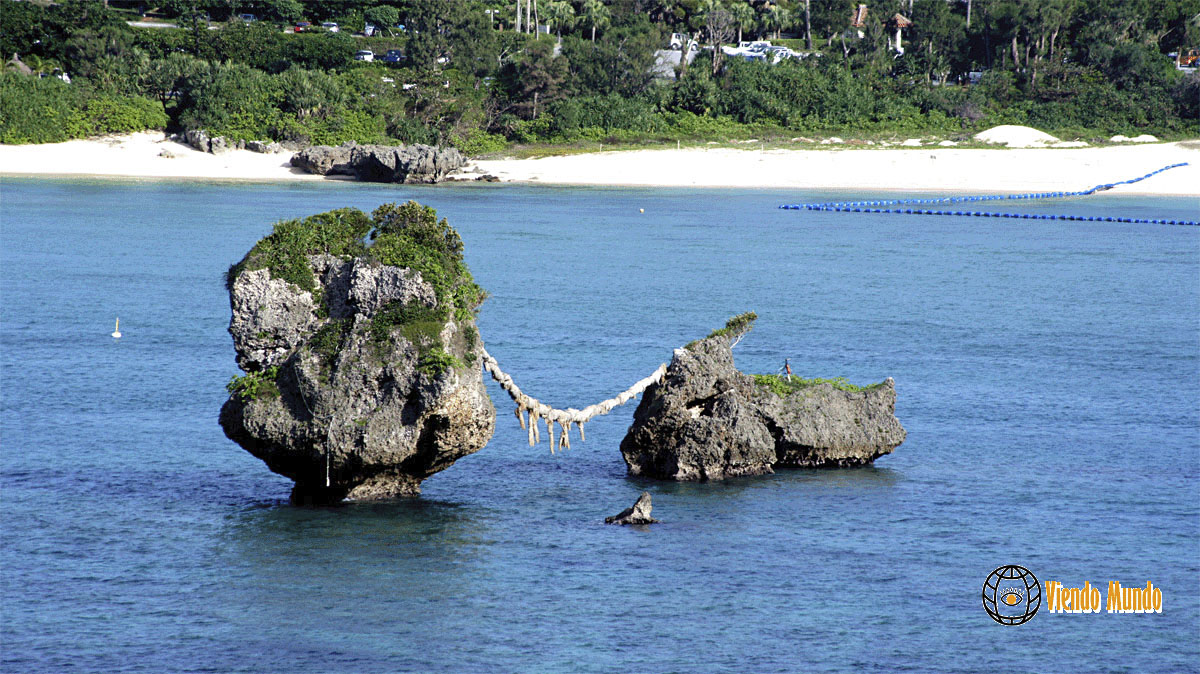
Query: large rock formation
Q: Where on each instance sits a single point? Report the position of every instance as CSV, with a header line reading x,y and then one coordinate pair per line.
x,y
363,373
381,163
707,421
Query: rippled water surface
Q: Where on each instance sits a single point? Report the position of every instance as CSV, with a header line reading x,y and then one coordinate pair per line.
x,y
1046,374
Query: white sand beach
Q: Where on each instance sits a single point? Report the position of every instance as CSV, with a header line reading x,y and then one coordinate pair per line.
x,y
931,168
147,154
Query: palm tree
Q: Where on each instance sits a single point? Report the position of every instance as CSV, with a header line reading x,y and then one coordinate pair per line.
x,y
596,14
560,13
776,18
808,25
743,16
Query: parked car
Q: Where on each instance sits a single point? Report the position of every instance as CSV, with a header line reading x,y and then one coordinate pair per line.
x,y
369,29
330,26
364,55
302,26
248,18
393,56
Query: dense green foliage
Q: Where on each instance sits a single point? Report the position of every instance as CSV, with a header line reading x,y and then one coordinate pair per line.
x,y
48,110
411,236
1085,69
783,386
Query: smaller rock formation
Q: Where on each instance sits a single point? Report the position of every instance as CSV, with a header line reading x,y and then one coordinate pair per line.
x,y
638,513
264,147
707,421
408,164
199,139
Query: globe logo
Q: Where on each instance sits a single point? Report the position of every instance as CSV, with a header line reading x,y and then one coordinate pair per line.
x,y
1012,595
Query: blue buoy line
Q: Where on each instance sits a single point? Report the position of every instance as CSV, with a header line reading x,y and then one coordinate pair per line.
x,y
891,205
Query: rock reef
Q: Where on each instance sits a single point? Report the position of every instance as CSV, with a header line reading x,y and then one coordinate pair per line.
x,y
409,164
707,421
638,513
362,362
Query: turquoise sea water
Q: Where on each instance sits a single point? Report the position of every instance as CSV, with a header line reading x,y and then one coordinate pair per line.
x,y
1046,374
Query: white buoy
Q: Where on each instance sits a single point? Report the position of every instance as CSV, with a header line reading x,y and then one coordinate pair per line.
x,y
641,210
117,330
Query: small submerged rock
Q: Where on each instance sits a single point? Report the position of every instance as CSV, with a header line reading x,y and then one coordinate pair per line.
x,y
638,513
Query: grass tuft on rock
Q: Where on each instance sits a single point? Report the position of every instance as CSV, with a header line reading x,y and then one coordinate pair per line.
x,y
734,328
329,339
422,327
783,387
408,235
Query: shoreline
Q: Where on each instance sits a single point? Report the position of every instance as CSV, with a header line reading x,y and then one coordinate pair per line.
x,y
929,169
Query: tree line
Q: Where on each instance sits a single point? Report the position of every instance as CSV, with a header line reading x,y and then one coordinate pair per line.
x,y
480,74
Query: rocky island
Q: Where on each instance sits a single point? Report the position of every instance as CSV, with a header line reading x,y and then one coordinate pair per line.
x,y
705,420
357,336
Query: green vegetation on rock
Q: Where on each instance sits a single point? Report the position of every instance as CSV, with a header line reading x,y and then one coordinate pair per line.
x,y
285,251
329,339
411,236
734,328
422,327
408,235
782,386
254,385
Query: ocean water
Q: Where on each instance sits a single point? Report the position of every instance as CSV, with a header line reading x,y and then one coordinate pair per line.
x,y
1046,374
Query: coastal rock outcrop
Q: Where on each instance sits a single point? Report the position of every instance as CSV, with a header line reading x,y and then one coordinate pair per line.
x,y
264,147
201,140
362,362
707,421
325,159
638,513
409,164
